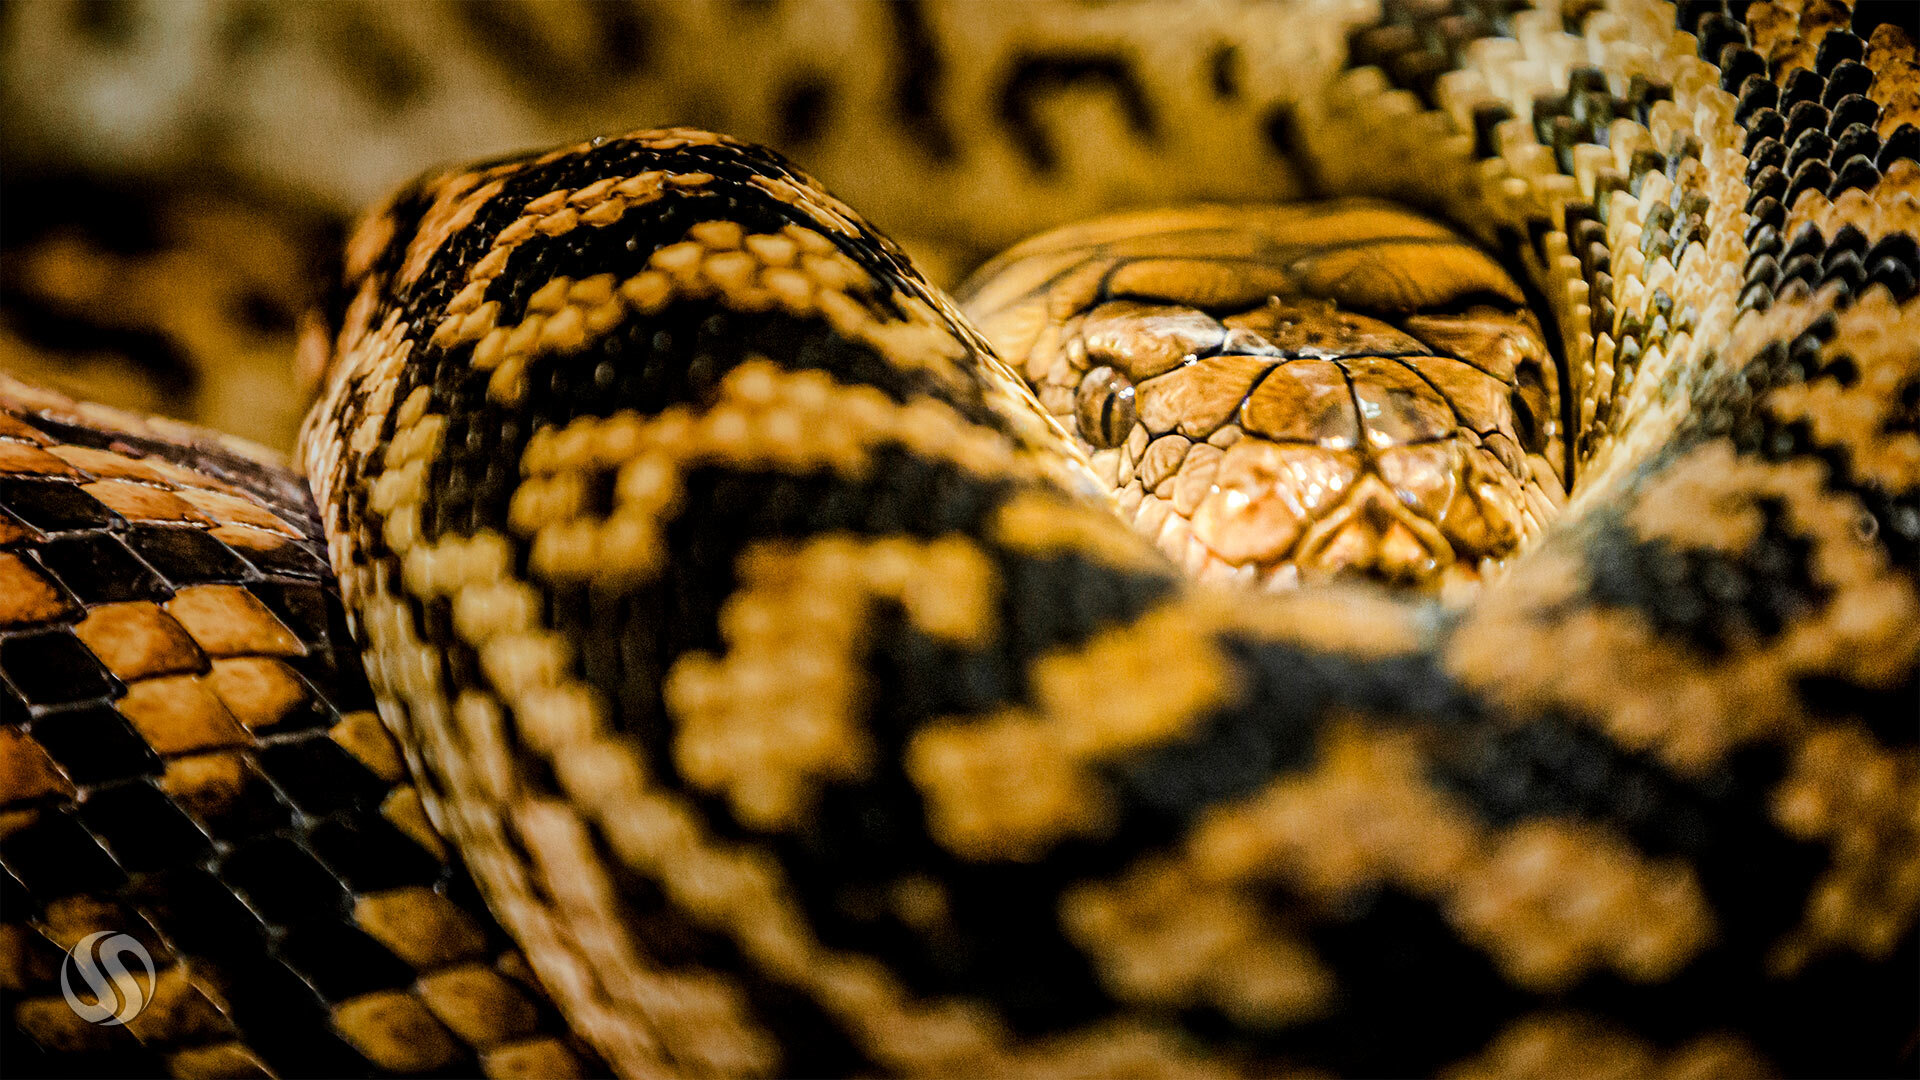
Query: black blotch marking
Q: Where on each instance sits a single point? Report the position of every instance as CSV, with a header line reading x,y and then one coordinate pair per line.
x,y
804,111
1280,129
1868,14
1714,600
161,361
1267,732
263,313
109,23
916,88
389,73
1033,79
1396,955
245,27
510,35
1223,71
121,218
1887,711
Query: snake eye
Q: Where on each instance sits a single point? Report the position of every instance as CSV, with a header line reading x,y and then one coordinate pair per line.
x,y
1103,406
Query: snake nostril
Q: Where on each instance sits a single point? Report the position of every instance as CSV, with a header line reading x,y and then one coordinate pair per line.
x,y
1529,402
1524,423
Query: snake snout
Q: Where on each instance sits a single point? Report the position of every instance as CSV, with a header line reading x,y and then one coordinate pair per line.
x,y
1419,516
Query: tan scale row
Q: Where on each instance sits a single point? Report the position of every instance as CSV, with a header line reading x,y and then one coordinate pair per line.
x,y
1845,789
765,417
1541,1046
1788,32
776,716
1163,936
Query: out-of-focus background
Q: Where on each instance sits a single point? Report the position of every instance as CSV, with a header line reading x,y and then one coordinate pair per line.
x,y
177,173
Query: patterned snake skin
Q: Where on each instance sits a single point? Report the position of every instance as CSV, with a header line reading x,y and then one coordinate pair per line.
x,y
191,757
797,704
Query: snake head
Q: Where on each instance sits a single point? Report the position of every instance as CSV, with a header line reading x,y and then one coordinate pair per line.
x,y
1279,395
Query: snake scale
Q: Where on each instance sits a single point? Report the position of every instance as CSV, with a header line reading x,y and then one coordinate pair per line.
x,y
770,688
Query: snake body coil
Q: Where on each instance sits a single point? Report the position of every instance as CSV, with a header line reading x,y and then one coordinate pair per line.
x,y
767,652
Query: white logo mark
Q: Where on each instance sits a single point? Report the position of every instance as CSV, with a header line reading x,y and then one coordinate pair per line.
x,y
117,995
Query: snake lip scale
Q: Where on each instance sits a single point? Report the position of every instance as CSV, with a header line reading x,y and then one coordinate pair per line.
x,y
692,644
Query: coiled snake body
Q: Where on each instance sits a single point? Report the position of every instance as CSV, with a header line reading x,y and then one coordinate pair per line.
x,y
764,649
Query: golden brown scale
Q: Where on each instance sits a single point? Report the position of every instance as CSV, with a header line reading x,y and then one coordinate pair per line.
x,y
1552,1044
1278,395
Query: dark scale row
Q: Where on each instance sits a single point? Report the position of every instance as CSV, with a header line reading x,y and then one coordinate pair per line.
x,y
1719,23
281,493
151,562
1817,132
76,553
1813,260
1581,115
1717,601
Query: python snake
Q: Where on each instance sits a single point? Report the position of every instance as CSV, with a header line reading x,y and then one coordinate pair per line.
x,y
761,644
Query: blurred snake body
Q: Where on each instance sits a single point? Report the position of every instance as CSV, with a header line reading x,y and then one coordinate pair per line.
x,y
760,633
